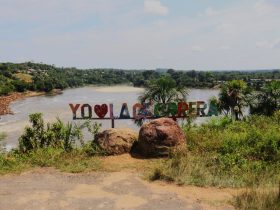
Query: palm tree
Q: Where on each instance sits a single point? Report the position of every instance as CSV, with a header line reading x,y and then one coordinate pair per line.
x,y
163,90
267,101
233,98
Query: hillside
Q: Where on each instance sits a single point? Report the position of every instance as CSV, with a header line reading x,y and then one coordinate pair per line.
x,y
19,77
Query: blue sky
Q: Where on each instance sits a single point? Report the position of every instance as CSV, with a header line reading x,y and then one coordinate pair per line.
x,y
142,34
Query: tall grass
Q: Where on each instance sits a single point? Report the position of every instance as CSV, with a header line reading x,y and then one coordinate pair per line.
x,y
227,153
258,199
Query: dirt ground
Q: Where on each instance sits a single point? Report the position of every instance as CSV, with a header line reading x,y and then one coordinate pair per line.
x,y
47,188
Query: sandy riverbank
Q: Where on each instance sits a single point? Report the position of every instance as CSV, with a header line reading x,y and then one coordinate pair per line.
x,y
118,89
5,101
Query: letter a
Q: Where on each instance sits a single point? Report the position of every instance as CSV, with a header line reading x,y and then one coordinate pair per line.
x,y
124,112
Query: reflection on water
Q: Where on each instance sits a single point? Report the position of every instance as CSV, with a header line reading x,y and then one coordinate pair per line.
x,y
57,106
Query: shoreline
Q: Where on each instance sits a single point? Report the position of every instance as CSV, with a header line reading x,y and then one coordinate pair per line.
x,y
5,101
117,89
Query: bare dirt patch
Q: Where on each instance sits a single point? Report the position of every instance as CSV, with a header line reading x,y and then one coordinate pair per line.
x,y
120,188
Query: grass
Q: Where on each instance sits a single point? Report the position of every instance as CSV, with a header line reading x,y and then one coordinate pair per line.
x,y
24,77
199,170
75,161
258,199
222,153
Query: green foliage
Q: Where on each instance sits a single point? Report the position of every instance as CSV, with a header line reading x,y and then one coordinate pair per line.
x,y
53,145
73,161
228,153
92,148
59,135
219,122
20,85
232,98
6,89
55,135
163,90
267,101
43,77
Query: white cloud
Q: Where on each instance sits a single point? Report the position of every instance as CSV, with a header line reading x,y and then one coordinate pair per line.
x,y
265,6
227,28
238,37
211,12
197,49
225,47
155,7
274,44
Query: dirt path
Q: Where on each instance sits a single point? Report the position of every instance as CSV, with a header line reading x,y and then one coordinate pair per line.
x,y
49,189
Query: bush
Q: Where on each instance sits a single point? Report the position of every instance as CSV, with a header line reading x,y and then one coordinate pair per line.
x,y
5,89
20,86
58,135
55,135
228,153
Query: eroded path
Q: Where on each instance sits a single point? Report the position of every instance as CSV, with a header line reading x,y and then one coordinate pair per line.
x,y
47,188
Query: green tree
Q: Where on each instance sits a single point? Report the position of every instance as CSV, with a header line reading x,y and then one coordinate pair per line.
x,y
267,101
6,88
20,86
232,98
163,90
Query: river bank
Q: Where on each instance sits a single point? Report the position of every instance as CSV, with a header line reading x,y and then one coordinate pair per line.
x,y
5,101
58,106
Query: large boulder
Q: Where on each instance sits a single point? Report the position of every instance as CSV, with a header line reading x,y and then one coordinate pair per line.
x,y
157,137
116,141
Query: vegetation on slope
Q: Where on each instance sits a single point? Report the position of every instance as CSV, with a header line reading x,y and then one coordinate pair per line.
x,y
227,153
43,77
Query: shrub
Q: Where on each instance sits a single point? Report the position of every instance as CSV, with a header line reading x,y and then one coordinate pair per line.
x,y
58,135
227,153
5,89
55,135
20,85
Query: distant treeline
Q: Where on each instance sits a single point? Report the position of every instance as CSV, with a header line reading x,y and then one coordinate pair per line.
x,y
42,77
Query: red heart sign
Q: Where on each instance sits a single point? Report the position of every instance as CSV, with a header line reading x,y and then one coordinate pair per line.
x,y
101,111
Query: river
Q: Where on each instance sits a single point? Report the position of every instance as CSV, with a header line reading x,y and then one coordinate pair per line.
x,y
58,106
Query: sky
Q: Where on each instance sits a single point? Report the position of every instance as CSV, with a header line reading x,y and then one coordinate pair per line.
x,y
142,34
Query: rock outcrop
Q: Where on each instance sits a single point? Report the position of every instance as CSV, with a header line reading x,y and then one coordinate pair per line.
x,y
157,137
116,141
